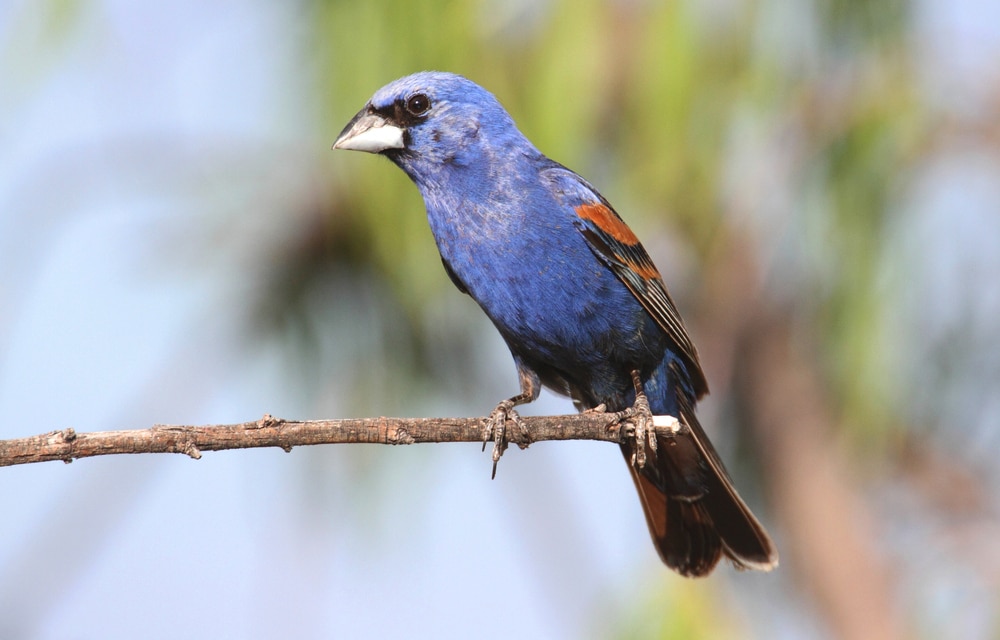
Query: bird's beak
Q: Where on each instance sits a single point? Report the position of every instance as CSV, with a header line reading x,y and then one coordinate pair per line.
x,y
369,132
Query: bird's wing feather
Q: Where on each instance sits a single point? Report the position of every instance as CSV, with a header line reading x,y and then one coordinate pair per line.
x,y
454,277
615,245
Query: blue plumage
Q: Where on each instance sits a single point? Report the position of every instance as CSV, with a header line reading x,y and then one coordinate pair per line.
x,y
573,293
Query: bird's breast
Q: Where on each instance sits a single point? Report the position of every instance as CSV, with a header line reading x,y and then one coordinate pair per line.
x,y
542,286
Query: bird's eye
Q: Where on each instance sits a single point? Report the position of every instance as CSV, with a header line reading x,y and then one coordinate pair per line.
x,y
418,105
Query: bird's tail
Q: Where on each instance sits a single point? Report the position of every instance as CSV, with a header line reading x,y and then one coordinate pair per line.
x,y
693,511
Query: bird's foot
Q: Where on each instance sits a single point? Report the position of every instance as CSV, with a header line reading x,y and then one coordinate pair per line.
x,y
496,430
638,425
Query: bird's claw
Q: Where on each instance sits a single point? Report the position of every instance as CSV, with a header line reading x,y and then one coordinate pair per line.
x,y
496,430
637,424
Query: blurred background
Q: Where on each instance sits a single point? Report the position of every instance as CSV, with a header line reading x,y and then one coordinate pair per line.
x,y
818,181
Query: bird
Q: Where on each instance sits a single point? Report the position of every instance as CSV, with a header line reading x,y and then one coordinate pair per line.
x,y
574,295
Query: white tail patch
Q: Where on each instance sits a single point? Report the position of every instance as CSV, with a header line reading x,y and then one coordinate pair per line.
x,y
667,422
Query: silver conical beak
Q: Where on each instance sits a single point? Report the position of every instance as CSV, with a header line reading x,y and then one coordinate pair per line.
x,y
369,132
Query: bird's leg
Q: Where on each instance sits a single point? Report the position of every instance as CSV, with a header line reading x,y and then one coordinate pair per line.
x,y
640,417
495,426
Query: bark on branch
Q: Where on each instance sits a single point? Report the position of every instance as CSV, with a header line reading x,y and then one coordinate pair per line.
x,y
67,445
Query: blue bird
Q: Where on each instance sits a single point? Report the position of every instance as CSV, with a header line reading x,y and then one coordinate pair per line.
x,y
575,296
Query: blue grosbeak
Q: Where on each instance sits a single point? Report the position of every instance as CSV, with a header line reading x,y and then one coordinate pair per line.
x,y
574,295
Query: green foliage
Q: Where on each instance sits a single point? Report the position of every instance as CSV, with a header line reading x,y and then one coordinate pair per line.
x,y
37,37
679,609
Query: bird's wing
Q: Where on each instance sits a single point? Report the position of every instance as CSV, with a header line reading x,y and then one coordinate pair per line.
x,y
454,276
616,246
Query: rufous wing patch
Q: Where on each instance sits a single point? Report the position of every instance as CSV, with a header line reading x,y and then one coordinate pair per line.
x,y
606,220
619,241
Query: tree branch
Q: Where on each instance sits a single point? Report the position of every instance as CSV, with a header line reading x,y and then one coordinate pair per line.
x,y
67,445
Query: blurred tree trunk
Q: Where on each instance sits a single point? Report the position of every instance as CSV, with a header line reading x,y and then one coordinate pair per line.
x,y
775,380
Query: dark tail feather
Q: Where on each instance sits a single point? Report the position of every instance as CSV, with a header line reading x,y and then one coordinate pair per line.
x,y
692,509
682,531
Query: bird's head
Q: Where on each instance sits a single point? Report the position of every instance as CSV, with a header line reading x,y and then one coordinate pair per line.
x,y
428,120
